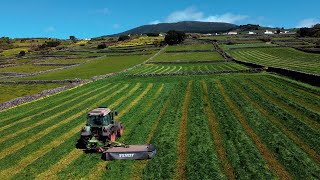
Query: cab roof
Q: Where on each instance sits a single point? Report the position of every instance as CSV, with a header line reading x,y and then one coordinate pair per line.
x,y
99,112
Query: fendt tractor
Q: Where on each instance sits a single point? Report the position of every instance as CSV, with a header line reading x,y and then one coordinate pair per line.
x,y
100,134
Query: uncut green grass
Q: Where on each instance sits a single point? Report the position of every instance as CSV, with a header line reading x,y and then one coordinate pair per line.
x,y
226,47
99,66
190,47
27,68
12,91
189,56
280,57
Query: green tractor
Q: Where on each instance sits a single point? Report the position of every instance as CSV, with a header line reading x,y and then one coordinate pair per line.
x,y
100,130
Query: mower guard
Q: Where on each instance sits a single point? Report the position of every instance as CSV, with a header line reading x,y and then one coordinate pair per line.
x,y
129,152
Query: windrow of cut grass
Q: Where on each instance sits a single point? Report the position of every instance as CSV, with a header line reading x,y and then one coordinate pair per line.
x,y
202,161
267,155
215,133
242,153
287,153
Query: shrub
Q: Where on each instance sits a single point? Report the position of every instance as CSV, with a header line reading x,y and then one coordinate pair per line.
x,y
123,38
152,34
102,46
174,37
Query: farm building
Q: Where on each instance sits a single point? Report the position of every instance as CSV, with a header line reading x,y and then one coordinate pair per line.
x,y
232,33
251,33
268,32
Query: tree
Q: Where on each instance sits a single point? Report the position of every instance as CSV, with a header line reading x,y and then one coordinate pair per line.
x,y
73,39
102,46
22,53
174,37
278,31
318,44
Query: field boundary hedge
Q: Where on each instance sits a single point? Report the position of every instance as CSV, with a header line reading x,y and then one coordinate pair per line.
x,y
252,70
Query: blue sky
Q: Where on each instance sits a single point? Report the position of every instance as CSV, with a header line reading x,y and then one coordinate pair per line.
x,y
92,18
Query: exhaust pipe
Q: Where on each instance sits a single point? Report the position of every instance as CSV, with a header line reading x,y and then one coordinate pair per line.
x,y
129,152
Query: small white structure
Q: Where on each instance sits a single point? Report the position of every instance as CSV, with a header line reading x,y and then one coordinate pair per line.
x,y
232,33
251,33
268,32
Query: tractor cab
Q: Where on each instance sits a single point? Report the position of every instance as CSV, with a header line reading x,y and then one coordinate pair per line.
x,y
101,117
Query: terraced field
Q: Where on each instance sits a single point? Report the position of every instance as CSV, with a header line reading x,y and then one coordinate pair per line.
x,y
280,57
187,57
250,126
187,68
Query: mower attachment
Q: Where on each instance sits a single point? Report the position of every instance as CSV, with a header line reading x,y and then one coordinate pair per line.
x,y
129,152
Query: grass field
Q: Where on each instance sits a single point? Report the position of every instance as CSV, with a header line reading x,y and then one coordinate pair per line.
x,y
190,47
99,66
143,40
178,68
12,91
28,68
189,56
280,57
257,126
251,45
13,52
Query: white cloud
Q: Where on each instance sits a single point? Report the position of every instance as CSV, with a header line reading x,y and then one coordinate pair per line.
x,y
308,22
155,22
192,14
50,29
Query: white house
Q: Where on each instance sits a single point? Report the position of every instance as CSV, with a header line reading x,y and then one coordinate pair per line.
x,y
251,33
268,32
232,33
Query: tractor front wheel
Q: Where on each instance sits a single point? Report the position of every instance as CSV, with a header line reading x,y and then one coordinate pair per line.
x,y
120,132
113,137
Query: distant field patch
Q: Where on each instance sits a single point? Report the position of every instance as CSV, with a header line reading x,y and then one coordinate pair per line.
x,y
143,40
12,52
190,47
12,91
99,66
28,68
280,57
235,46
189,56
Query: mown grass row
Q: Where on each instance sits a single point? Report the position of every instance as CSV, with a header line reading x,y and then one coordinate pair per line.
x,y
188,56
291,157
280,57
167,69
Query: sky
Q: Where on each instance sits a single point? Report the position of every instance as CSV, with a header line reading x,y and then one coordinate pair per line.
x,y
93,18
